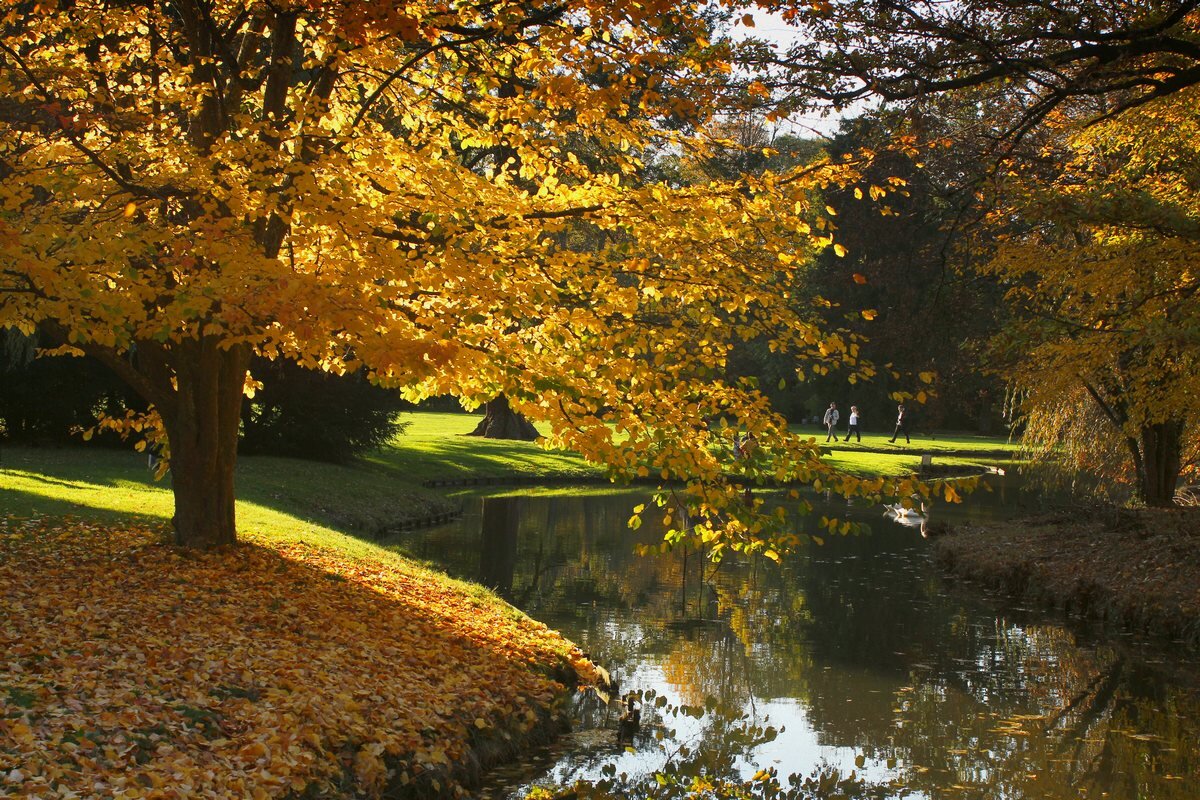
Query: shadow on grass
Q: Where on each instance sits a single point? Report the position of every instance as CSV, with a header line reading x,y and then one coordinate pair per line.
x,y
26,504
219,648
359,499
463,456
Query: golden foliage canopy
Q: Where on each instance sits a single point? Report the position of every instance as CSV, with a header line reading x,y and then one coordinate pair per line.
x,y
404,186
1102,269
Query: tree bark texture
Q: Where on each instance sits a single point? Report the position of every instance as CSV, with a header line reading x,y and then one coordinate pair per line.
x,y
202,429
501,422
1159,465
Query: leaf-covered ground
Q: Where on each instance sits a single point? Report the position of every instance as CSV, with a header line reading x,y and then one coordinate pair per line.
x,y
133,669
1137,568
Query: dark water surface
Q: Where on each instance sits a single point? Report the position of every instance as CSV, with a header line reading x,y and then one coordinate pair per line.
x,y
857,649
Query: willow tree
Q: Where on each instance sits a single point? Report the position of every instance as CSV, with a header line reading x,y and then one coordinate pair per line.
x,y
1102,273
187,184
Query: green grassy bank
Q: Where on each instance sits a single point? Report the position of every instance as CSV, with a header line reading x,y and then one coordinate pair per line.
x,y
286,498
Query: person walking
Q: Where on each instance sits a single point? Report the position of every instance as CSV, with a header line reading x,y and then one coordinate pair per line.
x,y
831,421
901,426
852,425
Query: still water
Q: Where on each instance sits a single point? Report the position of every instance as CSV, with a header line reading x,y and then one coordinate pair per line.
x,y
857,651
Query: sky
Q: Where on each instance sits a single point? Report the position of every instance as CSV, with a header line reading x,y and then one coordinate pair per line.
x,y
773,29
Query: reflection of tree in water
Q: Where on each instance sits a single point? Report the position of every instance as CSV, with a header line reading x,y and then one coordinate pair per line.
x,y
710,663
863,636
1055,721
500,519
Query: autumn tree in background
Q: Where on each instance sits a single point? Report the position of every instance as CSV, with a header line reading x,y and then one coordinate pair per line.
x,y
189,184
1101,267
1053,80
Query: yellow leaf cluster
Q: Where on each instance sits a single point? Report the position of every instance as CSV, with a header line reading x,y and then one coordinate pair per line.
x,y
362,185
1104,280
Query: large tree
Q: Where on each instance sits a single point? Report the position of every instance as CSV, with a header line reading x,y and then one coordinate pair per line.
x,y
1099,244
187,184
1049,74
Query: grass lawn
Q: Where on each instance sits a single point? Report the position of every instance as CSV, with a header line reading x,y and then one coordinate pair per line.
x,y
435,445
288,499
280,497
875,455
921,443
867,464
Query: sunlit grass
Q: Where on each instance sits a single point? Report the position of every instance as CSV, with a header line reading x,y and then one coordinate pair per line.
x,y
436,445
278,496
871,464
293,499
921,442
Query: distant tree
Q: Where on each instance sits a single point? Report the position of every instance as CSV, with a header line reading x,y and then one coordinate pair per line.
x,y
1017,65
909,268
307,413
501,422
1099,246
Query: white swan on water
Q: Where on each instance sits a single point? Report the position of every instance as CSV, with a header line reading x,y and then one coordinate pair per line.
x,y
900,511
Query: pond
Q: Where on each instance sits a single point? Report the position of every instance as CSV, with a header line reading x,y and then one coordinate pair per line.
x,y
856,651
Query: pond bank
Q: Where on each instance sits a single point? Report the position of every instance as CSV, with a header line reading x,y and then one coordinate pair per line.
x,y
270,669
1139,569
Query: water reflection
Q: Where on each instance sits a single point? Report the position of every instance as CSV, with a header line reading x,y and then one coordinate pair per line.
x,y
499,521
855,648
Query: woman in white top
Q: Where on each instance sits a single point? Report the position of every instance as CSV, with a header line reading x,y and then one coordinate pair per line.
x,y
852,427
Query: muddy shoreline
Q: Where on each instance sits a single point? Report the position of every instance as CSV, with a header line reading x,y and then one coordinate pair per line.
x,y
1136,569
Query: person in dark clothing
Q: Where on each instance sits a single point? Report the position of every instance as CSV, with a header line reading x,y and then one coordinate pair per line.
x,y
901,426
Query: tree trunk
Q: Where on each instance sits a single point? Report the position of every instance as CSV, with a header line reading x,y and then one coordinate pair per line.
x,y
1158,473
202,428
501,422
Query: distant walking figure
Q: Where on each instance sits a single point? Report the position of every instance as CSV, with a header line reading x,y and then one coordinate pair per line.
x,y
901,425
743,445
852,427
831,421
